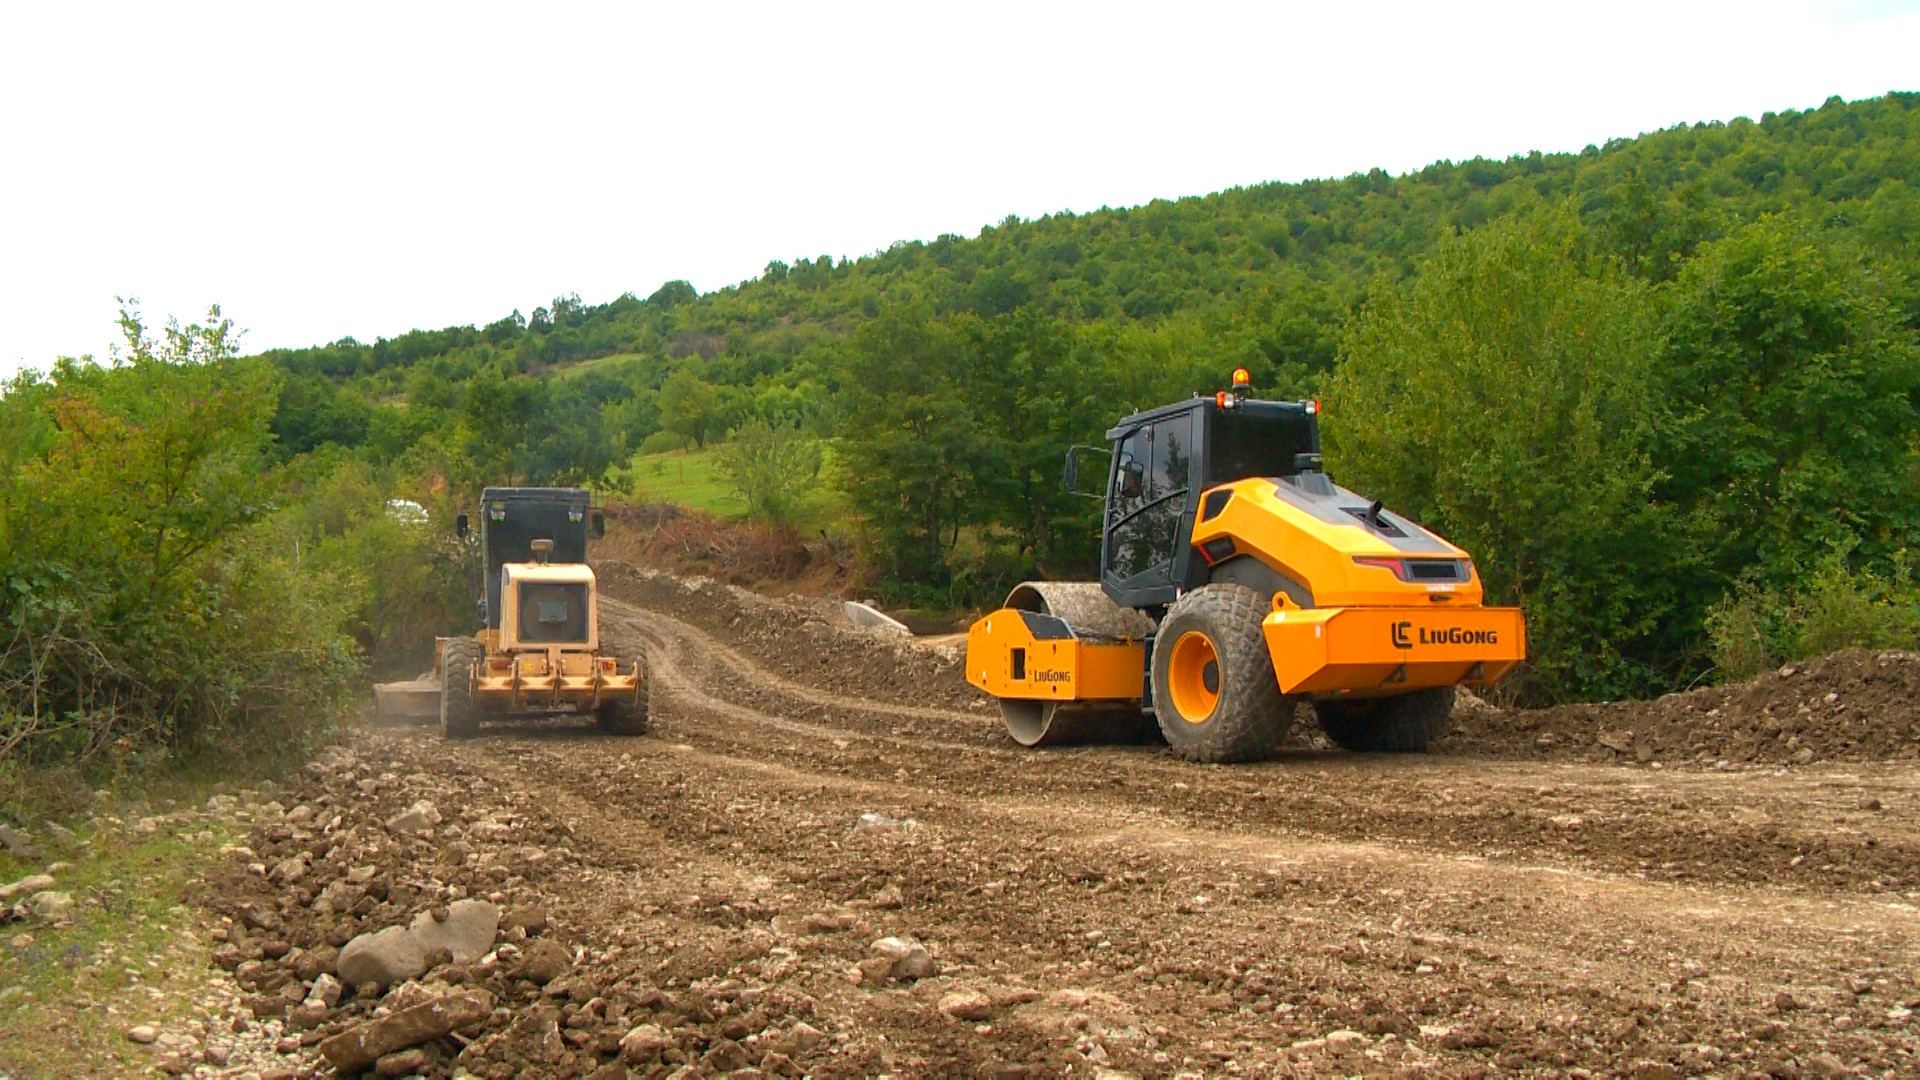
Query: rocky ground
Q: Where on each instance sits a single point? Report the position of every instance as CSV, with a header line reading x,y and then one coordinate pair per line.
x,y
826,860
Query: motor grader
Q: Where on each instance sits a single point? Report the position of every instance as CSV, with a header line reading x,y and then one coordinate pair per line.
x,y
538,650
1237,580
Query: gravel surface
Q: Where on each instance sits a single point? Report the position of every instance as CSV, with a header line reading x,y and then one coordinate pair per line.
x,y
827,860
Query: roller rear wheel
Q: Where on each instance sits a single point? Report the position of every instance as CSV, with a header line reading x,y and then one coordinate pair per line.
x,y
1403,724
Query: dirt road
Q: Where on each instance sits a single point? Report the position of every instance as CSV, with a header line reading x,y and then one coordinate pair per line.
x,y
806,792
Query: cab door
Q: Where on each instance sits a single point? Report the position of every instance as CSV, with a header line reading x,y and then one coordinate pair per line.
x,y
1146,501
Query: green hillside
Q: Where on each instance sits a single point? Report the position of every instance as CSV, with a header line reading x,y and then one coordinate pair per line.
x,y
1664,388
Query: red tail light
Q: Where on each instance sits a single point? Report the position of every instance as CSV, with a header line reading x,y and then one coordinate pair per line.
x,y
1398,566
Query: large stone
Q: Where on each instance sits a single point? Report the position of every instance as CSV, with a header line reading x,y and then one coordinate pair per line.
x,y
416,818
966,1004
643,1043
909,959
467,932
18,844
803,1037
402,1063
325,990
49,904
545,961
867,617
358,1047
25,886
383,958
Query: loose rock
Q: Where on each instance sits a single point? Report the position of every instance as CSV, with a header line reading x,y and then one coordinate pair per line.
x,y
419,817
382,958
966,1005
643,1043
467,932
49,904
907,958
26,886
545,961
359,1047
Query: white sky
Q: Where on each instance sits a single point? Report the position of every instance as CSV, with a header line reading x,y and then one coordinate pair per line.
x,y
326,170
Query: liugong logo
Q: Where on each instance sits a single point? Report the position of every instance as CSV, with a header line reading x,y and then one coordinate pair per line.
x,y
1405,636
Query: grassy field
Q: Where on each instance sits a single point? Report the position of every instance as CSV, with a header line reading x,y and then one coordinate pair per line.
x,y
130,952
575,367
693,478
690,478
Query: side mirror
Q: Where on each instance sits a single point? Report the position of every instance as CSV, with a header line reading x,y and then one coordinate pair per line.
x,y
1071,478
460,528
599,525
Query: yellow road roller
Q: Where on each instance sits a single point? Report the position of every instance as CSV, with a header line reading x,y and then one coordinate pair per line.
x,y
1237,580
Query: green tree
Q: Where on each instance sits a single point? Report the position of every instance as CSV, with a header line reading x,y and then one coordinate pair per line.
x,y
1504,397
1794,384
771,465
911,444
691,407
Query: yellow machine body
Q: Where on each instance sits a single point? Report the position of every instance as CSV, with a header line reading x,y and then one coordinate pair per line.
x,y
1372,652
1362,632
1236,580
1037,657
525,672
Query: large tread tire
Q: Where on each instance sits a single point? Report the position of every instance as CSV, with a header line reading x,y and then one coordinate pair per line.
x,y
459,715
1402,724
626,716
1240,714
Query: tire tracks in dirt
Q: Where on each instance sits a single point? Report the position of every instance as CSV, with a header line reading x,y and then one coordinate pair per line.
x,y
1803,830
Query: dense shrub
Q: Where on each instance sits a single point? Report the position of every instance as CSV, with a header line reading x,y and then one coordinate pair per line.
x,y
164,589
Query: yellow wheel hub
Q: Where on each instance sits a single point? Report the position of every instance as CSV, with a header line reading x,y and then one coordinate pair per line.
x,y
1193,677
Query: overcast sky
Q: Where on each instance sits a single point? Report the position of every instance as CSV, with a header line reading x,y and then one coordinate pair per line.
x,y
343,169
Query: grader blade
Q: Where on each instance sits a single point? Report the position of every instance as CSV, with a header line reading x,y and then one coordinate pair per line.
x,y
411,702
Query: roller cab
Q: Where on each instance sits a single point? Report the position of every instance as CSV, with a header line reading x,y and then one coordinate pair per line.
x,y
1237,580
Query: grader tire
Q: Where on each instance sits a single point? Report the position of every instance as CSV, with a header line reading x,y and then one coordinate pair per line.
x,y
1403,724
1214,690
459,715
625,716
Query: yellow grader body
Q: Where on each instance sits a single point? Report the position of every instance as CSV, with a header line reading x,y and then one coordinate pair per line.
x,y
565,673
538,651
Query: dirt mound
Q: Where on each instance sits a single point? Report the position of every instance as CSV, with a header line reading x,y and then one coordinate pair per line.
x,y
690,542
807,639
1851,706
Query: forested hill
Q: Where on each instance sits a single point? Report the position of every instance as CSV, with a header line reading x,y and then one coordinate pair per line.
x,y
1261,275
1665,390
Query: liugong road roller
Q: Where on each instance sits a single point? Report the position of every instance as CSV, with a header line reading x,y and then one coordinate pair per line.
x,y
1236,581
